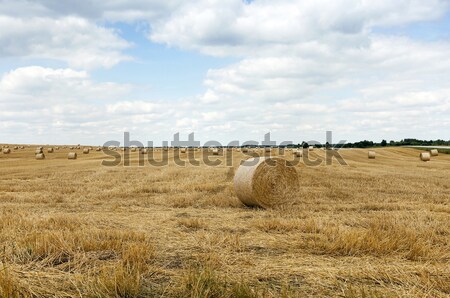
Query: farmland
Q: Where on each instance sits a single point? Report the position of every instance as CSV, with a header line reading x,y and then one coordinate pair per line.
x,y
75,228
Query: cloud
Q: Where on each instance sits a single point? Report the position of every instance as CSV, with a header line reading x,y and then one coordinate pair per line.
x,y
236,28
74,40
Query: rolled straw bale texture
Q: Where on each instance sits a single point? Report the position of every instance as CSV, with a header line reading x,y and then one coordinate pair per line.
x,y
49,150
56,148
298,153
71,147
267,149
425,156
244,149
72,155
311,148
40,156
86,151
38,151
6,151
371,154
434,152
98,149
265,182
183,150
215,151
15,147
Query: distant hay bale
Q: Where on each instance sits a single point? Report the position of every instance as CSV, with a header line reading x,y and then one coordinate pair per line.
x,y
215,151
98,149
434,152
38,151
49,150
425,156
6,151
371,154
244,149
86,151
22,147
78,147
56,148
133,149
40,156
311,148
298,153
183,150
16,147
265,182
72,155
40,147
144,151
267,149
71,147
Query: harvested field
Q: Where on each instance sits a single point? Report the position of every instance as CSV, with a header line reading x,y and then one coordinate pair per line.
x,y
374,228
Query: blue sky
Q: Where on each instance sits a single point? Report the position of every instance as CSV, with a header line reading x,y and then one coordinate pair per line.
x,y
225,70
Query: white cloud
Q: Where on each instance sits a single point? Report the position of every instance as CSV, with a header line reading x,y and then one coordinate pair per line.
x,y
74,40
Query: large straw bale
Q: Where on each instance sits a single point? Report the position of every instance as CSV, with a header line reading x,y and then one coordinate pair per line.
x,y
40,156
265,182
72,155
425,156
434,152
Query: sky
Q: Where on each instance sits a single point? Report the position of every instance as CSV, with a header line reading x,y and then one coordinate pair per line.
x,y
226,70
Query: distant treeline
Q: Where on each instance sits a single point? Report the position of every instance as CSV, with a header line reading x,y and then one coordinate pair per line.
x,y
405,142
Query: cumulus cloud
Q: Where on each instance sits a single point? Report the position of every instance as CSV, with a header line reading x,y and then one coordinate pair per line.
x,y
76,41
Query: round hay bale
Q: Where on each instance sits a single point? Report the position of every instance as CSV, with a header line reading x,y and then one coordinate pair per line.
x,y
244,149
71,147
183,150
425,156
133,149
56,148
86,151
98,149
298,153
434,152
78,147
16,147
49,150
38,151
6,151
267,149
215,151
144,151
72,155
311,148
40,156
371,154
265,182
